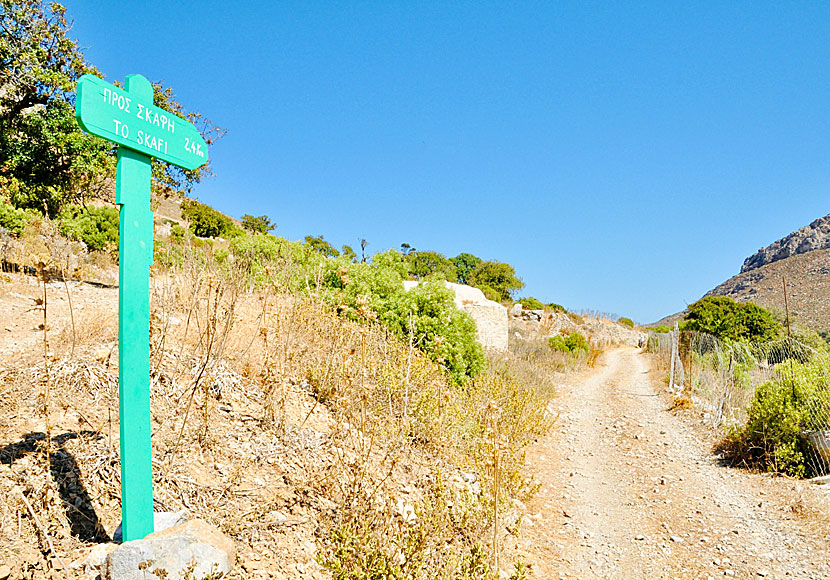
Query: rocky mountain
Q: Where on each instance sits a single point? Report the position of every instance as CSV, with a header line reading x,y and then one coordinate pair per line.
x,y
816,236
802,259
807,277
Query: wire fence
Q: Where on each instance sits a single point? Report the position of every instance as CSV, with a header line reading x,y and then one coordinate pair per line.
x,y
720,379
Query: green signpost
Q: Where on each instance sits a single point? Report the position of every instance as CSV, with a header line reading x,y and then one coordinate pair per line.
x,y
129,118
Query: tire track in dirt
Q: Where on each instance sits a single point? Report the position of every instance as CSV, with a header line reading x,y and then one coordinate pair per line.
x,y
629,491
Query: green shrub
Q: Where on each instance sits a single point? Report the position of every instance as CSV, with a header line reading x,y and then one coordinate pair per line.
x,y
423,264
558,343
660,329
206,222
496,279
626,322
781,411
425,314
574,343
266,258
13,219
531,303
772,433
97,227
177,232
556,307
726,319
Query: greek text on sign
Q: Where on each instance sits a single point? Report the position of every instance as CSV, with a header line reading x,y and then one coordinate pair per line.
x,y
112,113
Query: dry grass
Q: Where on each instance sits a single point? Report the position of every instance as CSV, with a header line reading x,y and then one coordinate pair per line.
x,y
291,429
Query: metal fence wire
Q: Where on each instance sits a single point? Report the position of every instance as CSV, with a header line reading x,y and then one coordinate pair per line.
x,y
721,378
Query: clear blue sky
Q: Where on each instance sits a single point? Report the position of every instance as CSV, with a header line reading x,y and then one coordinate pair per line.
x,y
624,159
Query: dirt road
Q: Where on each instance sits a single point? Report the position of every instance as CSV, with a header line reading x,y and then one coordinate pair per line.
x,y
630,491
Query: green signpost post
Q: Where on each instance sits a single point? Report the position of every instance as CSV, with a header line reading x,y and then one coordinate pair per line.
x,y
129,118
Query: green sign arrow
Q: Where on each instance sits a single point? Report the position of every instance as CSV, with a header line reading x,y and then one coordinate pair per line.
x,y
129,118
117,115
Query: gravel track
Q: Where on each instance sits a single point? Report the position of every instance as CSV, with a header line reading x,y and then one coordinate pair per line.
x,y
631,491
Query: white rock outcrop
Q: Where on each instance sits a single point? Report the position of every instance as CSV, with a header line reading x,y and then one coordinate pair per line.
x,y
490,317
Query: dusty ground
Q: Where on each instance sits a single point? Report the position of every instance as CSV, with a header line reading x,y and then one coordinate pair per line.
x,y
630,491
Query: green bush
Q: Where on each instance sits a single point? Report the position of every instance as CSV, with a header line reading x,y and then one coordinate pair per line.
x,y
558,343
531,303
496,279
13,219
660,329
626,322
425,314
423,264
772,432
177,232
97,227
781,411
556,307
574,343
726,319
206,222
265,258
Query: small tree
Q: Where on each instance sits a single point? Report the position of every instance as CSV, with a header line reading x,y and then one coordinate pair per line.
x,y
348,253
318,244
496,279
464,265
47,161
206,222
259,224
423,264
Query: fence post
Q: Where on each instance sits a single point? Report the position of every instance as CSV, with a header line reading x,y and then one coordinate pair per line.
x,y
673,336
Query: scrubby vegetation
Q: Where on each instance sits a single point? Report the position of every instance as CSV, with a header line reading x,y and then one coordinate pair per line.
x,y
724,318
14,220
206,222
531,303
771,396
626,322
97,227
783,411
399,372
574,343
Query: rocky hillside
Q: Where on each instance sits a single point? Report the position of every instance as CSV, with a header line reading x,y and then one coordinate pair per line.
x,y
816,236
803,260
808,287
